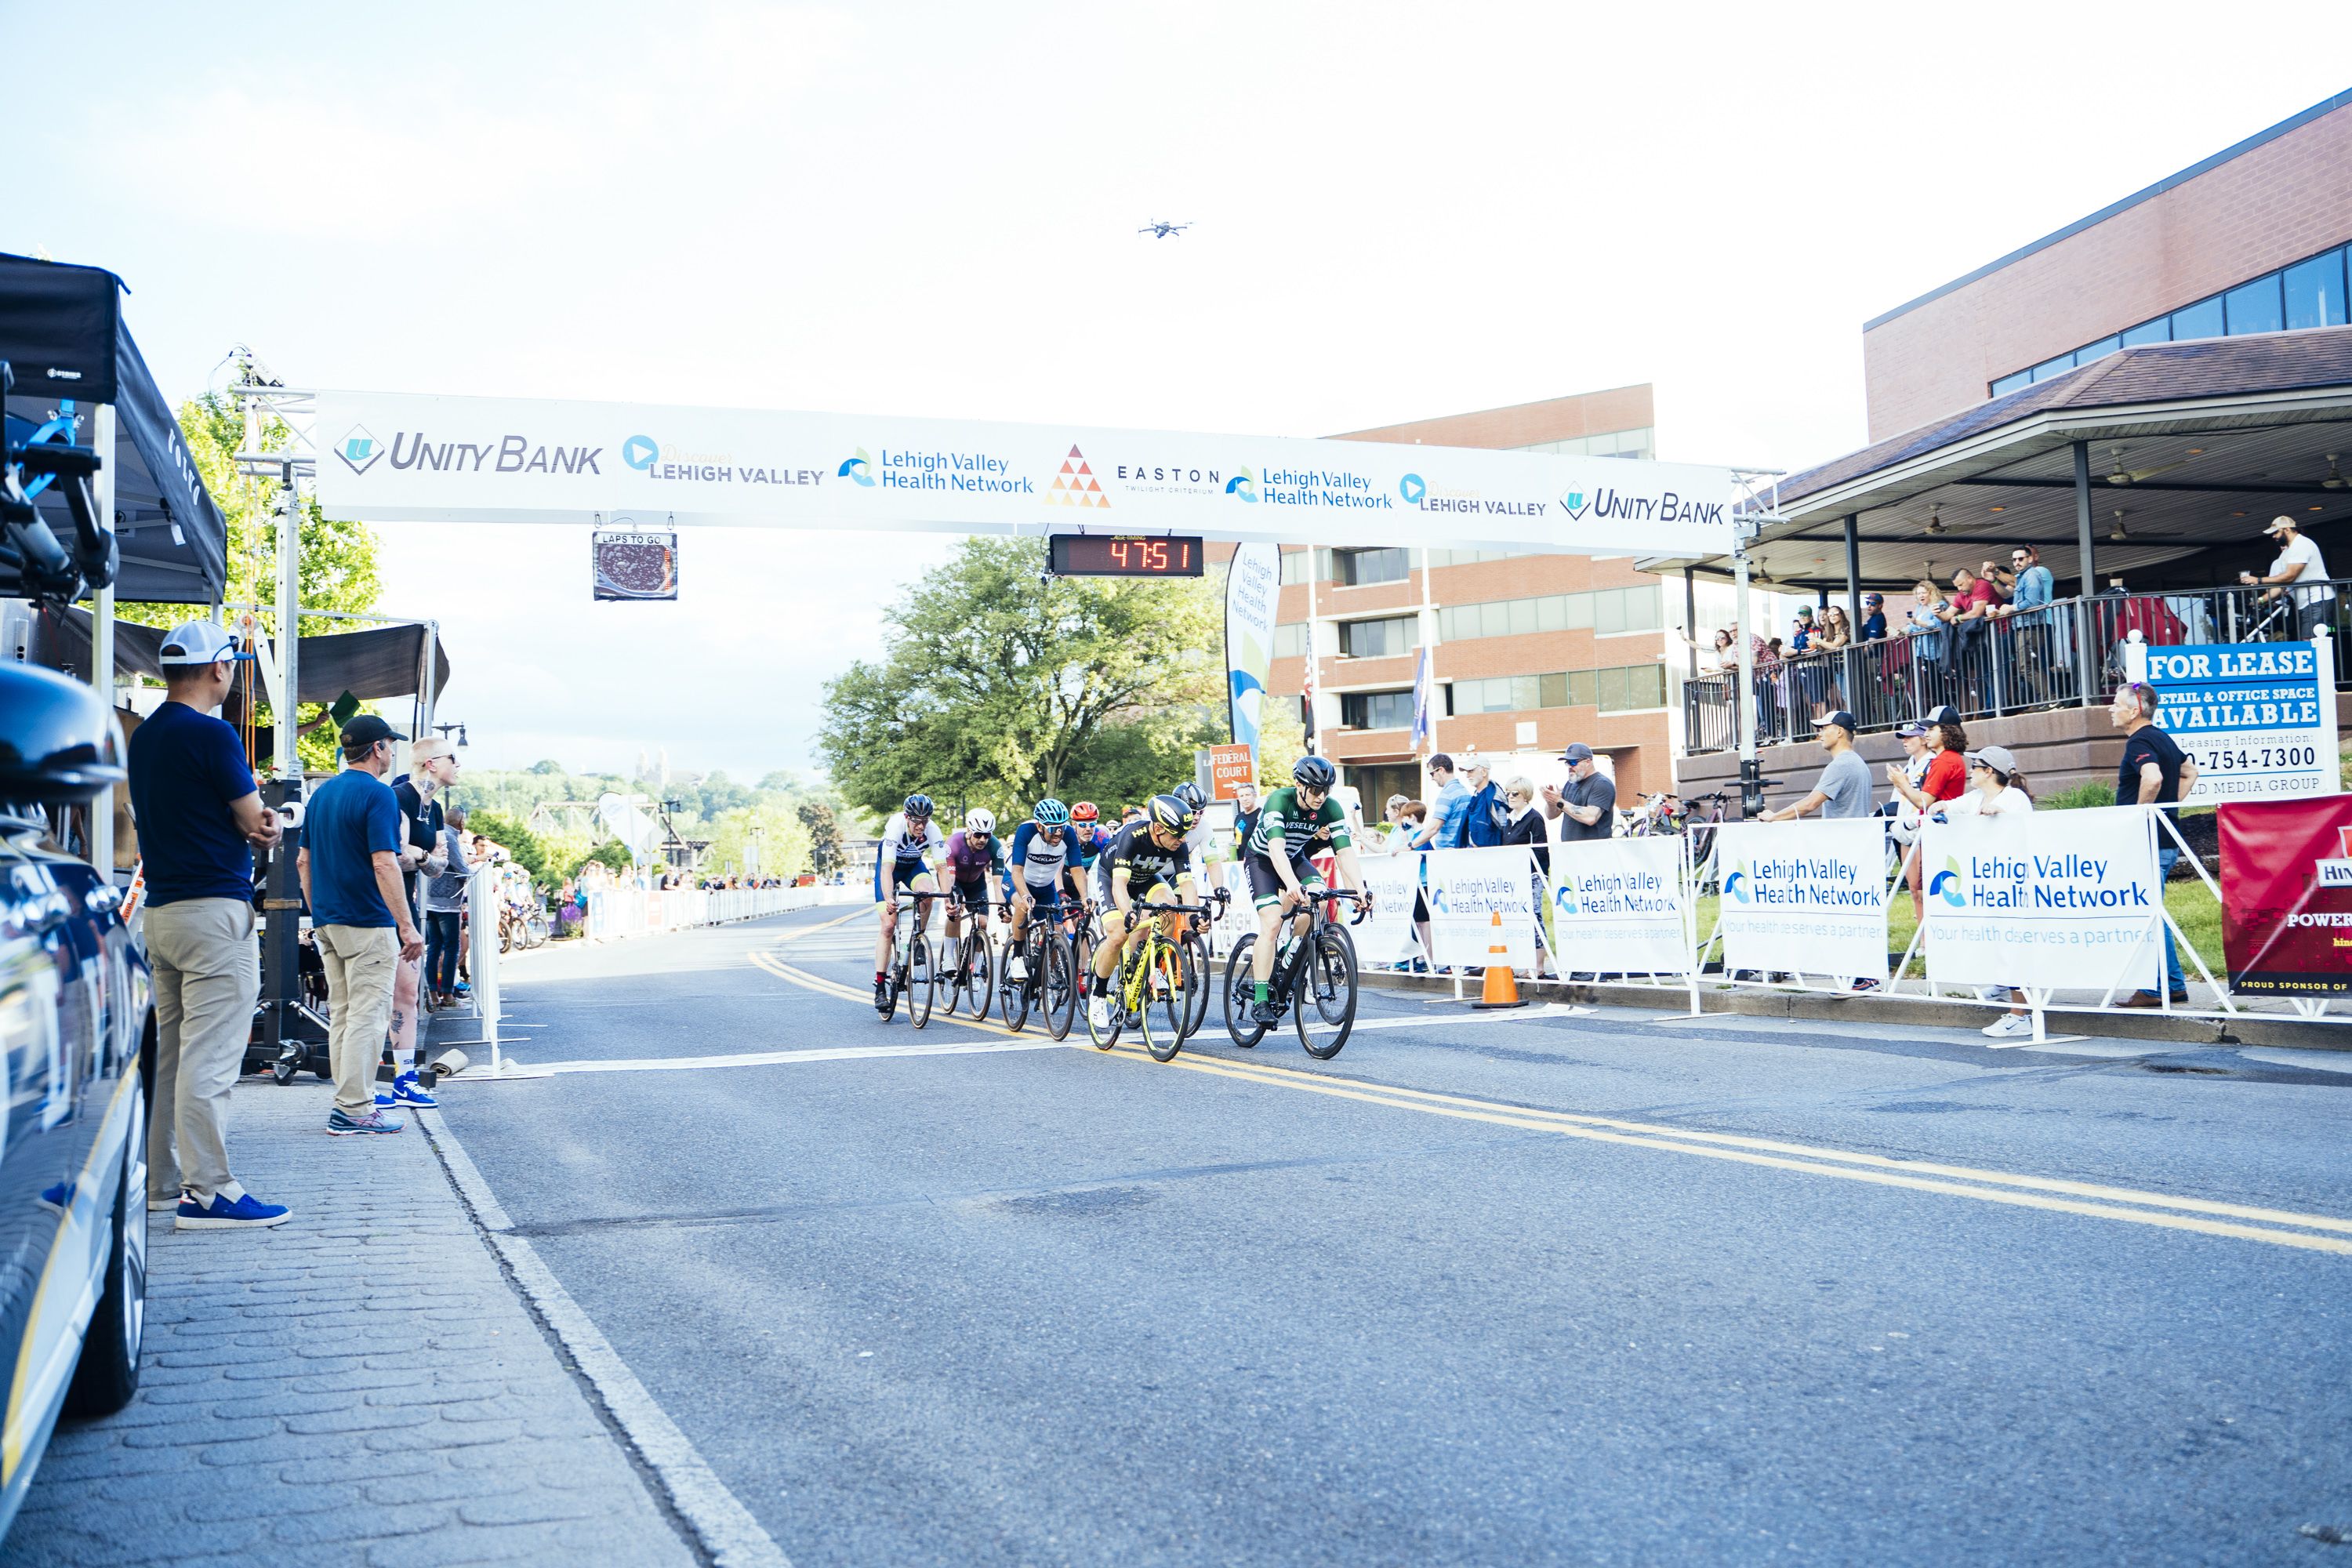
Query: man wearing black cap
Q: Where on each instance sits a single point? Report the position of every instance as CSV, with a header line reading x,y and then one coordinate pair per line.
x,y
1587,808
1843,788
358,914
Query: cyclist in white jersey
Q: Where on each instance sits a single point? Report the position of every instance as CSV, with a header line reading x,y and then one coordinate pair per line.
x,y
910,842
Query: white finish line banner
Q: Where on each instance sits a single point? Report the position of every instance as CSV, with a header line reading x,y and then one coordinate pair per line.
x,y
2061,899
403,458
1467,888
1617,905
1805,898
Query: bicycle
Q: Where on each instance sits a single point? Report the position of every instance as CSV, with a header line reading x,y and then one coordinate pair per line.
x,y
1149,986
912,953
1321,965
1050,974
976,967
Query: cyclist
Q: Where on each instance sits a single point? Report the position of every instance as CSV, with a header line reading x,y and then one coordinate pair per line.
x,y
1048,856
1085,818
902,859
1295,824
1141,862
973,851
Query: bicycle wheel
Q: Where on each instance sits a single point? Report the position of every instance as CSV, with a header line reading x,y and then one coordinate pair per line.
x,y
1245,1030
1196,983
1165,1008
1013,996
1105,1034
980,966
951,983
1060,980
922,977
1324,1005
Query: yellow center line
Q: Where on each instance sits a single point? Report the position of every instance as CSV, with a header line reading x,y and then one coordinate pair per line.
x,y
2055,1194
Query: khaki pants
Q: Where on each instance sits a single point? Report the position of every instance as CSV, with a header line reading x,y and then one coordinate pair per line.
x,y
360,962
207,976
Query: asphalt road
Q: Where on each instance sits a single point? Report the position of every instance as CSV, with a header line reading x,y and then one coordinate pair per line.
x,y
1590,1289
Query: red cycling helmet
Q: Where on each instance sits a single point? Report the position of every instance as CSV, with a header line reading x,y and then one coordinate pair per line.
x,y
1084,812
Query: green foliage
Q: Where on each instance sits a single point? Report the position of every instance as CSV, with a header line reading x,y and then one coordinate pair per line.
x,y
826,855
611,854
2079,798
996,688
509,834
784,841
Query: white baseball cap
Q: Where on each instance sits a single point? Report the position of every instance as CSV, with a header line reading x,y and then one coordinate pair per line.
x,y
198,642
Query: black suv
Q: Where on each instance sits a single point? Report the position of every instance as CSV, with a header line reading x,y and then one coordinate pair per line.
x,y
75,1016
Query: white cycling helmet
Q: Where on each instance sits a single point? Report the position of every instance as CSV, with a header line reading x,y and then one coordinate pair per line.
x,y
979,819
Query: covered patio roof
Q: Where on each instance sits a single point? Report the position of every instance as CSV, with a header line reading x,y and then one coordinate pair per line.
x,y
2158,464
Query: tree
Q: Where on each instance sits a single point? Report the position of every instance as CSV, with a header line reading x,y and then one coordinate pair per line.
x,y
1281,741
826,853
784,841
510,835
996,688
548,766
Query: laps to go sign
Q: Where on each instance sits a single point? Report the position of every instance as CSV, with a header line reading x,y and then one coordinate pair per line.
x,y
2257,719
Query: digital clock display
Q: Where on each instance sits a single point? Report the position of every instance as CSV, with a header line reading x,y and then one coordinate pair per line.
x,y
1114,555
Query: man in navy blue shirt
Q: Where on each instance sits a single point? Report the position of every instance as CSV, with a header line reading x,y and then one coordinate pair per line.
x,y
359,915
199,819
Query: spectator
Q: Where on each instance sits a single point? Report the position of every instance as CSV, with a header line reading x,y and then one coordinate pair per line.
x,y
1915,758
350,866
2030,588
2154,771
1874,617
1926,624
1410,819
445,910
1843,789
1244,815
1587,808
2298,561
1832,640
1945,776
432,767
1801,634
1974,602
1523,825
1444,829
1483,821
1997,788
200,818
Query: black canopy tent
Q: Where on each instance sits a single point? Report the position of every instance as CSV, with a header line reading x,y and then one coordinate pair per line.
x,y
381,662
61,331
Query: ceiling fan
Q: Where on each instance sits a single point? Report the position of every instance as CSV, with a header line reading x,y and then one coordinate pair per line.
x,y
2119,476
2333,481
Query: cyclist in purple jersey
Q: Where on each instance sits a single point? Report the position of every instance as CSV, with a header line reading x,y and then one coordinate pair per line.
x,y
973,852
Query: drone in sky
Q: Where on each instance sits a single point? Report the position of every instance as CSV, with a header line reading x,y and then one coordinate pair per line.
x,y
1162,230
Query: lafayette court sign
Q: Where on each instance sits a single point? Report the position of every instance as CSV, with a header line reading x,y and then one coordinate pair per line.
x,y
407,457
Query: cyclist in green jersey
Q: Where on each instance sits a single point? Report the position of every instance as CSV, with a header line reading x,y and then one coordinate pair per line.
x,y
1292,826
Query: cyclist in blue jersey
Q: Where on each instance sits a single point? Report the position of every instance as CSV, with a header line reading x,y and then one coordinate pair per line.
x,y
973,853
1046,858
903,859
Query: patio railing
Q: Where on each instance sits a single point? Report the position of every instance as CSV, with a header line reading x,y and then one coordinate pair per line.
x,y
1990,668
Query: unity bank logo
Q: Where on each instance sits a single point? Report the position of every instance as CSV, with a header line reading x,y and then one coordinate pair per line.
x,y
1574,504
858,469
1951,884
640,451
1740,885
1412,488
1243,484
358,450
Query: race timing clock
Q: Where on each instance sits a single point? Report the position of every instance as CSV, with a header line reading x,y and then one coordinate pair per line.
x,y
1125,556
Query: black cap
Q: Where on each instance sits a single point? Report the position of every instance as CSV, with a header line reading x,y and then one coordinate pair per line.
x,y
367,730
1841,719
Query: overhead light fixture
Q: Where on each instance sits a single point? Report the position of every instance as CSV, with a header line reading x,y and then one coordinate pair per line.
x,y
2117,536
2195,451
2000,509
2237,514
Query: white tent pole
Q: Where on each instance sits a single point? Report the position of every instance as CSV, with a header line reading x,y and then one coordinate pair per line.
x,y
290,613
102,634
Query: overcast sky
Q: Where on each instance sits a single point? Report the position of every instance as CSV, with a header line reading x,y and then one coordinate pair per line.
x,y
1400,211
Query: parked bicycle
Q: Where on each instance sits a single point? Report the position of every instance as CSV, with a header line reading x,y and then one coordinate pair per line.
x,y
1314,979
1147,989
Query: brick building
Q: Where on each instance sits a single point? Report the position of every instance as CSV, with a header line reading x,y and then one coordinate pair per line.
x,y
2249,240
1533,650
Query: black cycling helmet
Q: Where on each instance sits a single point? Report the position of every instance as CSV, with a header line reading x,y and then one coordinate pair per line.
x,y
1191,794
1314,772
918,806
1170,812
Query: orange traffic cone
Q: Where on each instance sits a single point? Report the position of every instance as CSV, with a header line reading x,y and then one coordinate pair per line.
x,y
1502,988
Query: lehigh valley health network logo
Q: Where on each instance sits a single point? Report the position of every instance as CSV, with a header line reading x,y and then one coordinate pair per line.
x,y
1739,884
858,469
640,451
1563,896
1949,884
358,450
1244,484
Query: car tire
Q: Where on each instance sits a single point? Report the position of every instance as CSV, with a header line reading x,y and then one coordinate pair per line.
x,y
107,1373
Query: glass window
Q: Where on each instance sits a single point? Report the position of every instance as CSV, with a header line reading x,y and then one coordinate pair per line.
x,y
1612,690
1551,612
2009,383
2099,349
2314,292
1551,690
1645,608
1579,614
1376,710
1377,640
1495,619
2254,306
2202,320
1579,688
1290,640
1359,568
1527,692
1609,610
2159,331
2051,367
1523,616
1647,685
1296,564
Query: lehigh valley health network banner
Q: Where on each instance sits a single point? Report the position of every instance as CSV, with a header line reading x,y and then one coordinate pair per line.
x,y
1803,897
2256,718
2061,898
1468,889
2287,897
398,457
1616,904
1387,937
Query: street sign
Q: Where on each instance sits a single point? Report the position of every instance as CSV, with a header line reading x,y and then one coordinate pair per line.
x,y
1230,767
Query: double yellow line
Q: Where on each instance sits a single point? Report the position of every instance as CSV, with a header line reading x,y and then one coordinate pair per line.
x,y
2280,1227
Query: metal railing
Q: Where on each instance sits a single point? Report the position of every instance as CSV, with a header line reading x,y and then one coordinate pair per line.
x,y
1992,668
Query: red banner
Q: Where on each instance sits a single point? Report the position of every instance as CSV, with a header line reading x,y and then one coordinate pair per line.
x,y
2286,896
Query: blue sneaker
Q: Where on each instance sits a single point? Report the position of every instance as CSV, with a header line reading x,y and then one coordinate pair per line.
x,y
406,1090
342,1124
248,1212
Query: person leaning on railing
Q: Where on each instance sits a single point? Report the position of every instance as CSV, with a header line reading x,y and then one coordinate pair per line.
x,y
2298,561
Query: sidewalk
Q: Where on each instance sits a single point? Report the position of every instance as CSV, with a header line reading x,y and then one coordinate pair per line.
x,y
360,1385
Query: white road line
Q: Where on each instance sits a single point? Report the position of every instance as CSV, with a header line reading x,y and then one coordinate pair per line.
x,y
793,1058
723,1526
1518,1015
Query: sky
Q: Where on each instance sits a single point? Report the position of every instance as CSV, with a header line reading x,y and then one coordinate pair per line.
x,y
1399,211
